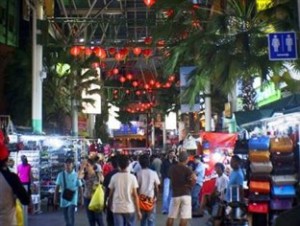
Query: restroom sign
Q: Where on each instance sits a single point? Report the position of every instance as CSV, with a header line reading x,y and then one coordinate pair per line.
x,y
282,46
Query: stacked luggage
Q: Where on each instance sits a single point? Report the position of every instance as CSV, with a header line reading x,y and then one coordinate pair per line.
x,y
260,176
284,175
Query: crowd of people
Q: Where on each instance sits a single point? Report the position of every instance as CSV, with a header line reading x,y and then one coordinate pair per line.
x,y
131,185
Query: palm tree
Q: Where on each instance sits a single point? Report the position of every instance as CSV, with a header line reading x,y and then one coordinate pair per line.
x,y
226,42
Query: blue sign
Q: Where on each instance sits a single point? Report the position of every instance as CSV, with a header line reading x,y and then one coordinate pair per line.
x,y
282,46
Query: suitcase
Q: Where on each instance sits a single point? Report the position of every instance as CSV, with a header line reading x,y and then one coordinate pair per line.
x,y
256,197
261,167
262,207
259,143
284,179
262,187
281,144
259,156
284,191
260,176
281,204
279,157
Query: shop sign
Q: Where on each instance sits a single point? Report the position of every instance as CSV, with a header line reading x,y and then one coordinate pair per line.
x,y
126,130
263,4
267,94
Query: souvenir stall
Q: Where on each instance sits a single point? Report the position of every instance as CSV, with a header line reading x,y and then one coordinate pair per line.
x,y
46,155
274,164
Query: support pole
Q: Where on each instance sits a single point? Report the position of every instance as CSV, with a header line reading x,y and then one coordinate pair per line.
x,y
37,69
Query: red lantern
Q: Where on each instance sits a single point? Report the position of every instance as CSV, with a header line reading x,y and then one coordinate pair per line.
x,y
135,84
124,52
112,51
147,86
99,52
167,85
137,51
129,76
115,91
115,71
88,51
171,78
149,3
138,92
95,65
75,50
160,43
122,79
103,65
152,82
127,91
147,53
168,12
157,85
119,57
148,40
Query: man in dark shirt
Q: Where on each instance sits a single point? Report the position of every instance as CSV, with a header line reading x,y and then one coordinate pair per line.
x,y
182,181
107,178
166,164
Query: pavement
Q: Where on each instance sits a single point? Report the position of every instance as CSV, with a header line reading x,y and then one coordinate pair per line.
x,y
55,218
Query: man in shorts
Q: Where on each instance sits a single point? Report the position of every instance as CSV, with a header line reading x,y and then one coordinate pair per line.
x,y
182,182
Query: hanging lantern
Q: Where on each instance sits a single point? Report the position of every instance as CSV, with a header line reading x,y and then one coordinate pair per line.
x,y
112,51
119,57
157,85
147,86
99,52
168,12
138,92
127,91
129,76
160,44
152,82
148,40
115,71
103,65
122,79
147,53
88,51
75,50
95,65
171,78
137,51
115,91
167,85
135,83
124,52
149,3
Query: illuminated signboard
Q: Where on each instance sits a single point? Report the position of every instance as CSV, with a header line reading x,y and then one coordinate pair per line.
x,y
267,94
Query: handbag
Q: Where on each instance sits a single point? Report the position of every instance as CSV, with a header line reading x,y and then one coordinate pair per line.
x,y
262,187
254,197
285,191
261,167
67,194
241,147
260,176
146,203
284,169
282,157
259,156
97,201
258,207
281,144
284,179
259,143
281,204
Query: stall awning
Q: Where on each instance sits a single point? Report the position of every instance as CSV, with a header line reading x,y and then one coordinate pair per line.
x,y
286,105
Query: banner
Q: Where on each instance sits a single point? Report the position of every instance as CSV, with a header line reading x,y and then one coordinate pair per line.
x,y
216,147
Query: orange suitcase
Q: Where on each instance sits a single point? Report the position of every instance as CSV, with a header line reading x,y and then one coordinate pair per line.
x,y
259,156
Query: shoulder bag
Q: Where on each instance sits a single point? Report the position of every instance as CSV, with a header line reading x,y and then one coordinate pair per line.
x,y
67,194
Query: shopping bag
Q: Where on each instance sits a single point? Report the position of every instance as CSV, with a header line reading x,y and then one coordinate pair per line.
x,y
97,201
19,213
281,144
259,143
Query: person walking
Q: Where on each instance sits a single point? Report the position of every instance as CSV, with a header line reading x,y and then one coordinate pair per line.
x,y
167,193
10,189
68,180
148,187
107,179
123,197
182,181
200,172
92,177
24,172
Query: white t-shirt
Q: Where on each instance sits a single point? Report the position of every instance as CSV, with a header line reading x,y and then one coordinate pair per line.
x,y
221,185
123,184
146,180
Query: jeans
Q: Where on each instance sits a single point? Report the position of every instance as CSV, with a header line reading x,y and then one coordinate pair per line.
x,y
167,194
148,218
195,197
69,215
93,217
124,219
